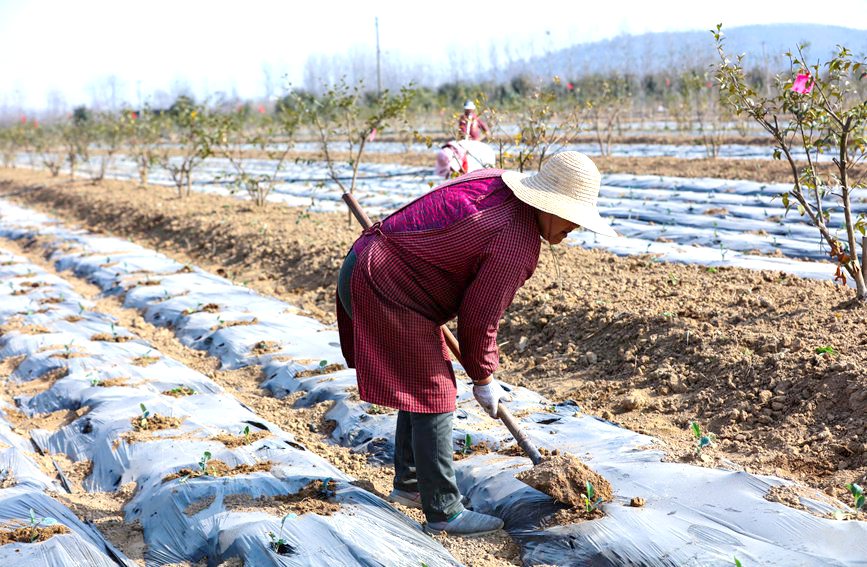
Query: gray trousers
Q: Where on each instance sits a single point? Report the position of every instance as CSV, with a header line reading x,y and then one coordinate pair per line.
x,y
423,462
422,443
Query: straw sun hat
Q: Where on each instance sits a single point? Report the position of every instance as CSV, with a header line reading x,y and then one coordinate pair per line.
x,y
566,186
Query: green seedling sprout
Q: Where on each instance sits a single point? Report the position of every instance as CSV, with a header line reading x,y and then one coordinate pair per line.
x,y
113,332
702,440
826,350
738,563
203,462
279,545
143,422
327,492
80,308
712,270
35,523
468,443
246,434
94,382
323,363
857,495
591,502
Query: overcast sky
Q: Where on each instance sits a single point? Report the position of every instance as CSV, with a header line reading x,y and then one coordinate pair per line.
x,y
69,49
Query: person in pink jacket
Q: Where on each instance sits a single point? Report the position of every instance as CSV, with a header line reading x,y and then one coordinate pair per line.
x,y
470,125
462,250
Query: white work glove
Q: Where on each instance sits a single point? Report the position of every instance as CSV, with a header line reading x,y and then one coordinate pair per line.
x,y
489,396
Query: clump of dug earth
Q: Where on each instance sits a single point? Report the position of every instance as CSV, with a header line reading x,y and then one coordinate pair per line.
x,y
30,534
567,480
216,467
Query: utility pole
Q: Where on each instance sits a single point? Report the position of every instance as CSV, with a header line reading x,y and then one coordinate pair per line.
x,y
378,66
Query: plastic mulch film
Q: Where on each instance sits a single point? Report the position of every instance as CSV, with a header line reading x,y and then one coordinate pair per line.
x,y
79,544
693,515
179,447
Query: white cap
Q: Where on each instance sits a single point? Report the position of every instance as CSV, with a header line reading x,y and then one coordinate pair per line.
x,y
470,105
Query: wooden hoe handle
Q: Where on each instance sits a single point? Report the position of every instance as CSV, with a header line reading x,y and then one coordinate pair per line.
x,y
503,412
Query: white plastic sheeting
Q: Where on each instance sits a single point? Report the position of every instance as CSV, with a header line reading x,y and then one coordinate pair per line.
x,y
25,481
57,331
712,222
83,545
693,515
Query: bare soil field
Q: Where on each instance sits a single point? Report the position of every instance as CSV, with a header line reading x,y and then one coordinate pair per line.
x,y
774,365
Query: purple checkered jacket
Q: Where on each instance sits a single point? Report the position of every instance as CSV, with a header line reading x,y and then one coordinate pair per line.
x,y
461,250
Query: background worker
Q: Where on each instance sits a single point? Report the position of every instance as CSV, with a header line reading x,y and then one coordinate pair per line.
x,y
461,250
472,127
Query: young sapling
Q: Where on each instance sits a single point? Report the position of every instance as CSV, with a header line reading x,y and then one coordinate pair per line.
x,y
857,496
702,440
591,502
279,545
468,443
143,421
203,462
36,523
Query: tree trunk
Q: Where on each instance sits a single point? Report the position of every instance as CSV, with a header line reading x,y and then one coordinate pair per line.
x,y
864,257
860,287
861,283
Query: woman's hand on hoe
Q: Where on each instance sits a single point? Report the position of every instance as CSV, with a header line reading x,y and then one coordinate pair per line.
x,y
489,394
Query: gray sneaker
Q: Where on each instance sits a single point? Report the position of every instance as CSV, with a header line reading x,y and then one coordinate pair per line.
x,y
467,523
408,499
413,499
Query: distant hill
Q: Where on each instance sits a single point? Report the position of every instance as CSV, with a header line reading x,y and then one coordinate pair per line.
x,y
763,45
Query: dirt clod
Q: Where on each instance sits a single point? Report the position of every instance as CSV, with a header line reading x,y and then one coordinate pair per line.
x,y
108,338
564,478
155,422
233,441
326,369
216,467
314,498
26,534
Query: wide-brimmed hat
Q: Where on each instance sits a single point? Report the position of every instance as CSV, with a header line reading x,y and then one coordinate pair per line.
x,y
470,105
567,185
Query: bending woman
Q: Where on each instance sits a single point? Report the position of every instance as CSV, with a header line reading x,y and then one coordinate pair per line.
x,y
461,250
